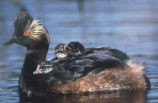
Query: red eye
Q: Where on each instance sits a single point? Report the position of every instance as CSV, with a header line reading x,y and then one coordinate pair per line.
x,y
26,33
61,46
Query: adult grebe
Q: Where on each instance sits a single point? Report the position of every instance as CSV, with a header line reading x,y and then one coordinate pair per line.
x,y
97,69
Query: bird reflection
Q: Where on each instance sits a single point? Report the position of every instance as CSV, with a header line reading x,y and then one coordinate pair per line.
x,y
137,96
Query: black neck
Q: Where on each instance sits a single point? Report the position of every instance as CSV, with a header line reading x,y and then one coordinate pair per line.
x,y
32,59
27,80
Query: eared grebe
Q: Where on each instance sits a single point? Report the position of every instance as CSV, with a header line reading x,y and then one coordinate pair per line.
x,y
92,70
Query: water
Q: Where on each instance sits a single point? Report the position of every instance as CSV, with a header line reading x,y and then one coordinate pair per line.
x,y
131,26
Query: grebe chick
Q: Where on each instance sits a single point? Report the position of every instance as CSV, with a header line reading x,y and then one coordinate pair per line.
x,y
72,50
45,66
98,69
75,49
63,52
60,51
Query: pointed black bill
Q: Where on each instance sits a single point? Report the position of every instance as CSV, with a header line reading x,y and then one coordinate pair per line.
x,y
9,42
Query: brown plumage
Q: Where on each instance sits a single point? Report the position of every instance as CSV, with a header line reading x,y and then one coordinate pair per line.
x,y
114,79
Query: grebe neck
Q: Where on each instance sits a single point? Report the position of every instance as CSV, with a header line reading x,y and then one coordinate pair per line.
x,y
32,59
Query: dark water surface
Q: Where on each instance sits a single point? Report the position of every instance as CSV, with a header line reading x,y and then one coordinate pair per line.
x,y
128,25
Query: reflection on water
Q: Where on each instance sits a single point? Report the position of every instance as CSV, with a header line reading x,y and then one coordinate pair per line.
x,y
131,26
119,97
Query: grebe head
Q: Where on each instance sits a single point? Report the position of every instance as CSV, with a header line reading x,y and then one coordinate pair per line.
x,y
60,51
29,32
75,49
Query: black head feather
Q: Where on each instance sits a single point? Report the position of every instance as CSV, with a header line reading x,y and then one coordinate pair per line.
x,y
29,32
20,23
